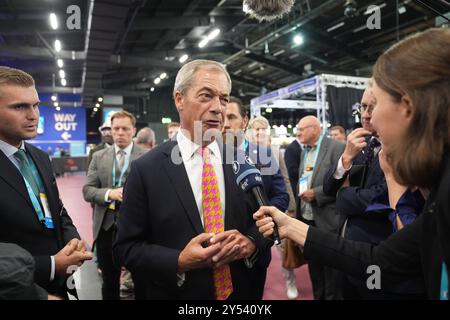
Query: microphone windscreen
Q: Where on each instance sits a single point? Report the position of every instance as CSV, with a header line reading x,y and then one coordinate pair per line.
x,y
267,9
247,176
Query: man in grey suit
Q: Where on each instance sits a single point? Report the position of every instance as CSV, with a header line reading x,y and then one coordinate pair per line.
x,y
316,208
107,174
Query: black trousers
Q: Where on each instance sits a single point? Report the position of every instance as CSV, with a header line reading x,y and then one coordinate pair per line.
x,y
110,272
326,282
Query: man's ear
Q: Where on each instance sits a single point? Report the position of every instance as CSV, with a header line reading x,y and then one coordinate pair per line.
x,y
245,122
406,107
179,100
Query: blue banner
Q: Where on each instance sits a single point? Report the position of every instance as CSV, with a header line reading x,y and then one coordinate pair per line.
x,y
61,129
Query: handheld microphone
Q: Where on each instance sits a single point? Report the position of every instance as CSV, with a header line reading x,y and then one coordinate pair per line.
x,y
249,179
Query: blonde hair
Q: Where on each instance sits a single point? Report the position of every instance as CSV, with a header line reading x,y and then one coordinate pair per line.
x,y
16,77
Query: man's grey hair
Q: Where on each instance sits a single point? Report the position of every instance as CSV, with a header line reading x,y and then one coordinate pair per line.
x,y
186,74
145,136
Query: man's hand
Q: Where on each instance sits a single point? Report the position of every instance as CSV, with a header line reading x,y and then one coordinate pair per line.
x,y
233,246
195,256
355,143
73,254
308,196
116,194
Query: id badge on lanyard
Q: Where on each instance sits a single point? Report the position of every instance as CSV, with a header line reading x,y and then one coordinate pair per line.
x,y
302,185
48,217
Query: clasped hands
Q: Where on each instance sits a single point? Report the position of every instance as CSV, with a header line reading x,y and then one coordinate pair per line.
x,y
73,254
209,250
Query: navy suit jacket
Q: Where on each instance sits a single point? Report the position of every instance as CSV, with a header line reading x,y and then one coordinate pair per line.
x,y
158,218
292,158
19,223
351,203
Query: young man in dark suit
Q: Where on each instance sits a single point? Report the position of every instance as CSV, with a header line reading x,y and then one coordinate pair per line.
x,y
185,225
33,215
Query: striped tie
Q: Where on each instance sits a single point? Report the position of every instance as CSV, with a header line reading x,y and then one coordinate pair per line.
x,y
213,222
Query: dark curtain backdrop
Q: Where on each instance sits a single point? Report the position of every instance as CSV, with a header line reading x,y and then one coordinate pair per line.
x,y
340,101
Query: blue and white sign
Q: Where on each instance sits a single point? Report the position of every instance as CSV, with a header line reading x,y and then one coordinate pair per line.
x,y
67,124
61,128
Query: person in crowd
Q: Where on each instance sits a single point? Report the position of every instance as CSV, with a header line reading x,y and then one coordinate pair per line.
x,y
32,214
107,140
236,120
258,134
338,133
145,138
360,181
106,176
185,225
318,209
412,118
172,129
292,158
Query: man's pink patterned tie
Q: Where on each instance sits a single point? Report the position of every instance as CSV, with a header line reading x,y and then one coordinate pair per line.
x,y
213,222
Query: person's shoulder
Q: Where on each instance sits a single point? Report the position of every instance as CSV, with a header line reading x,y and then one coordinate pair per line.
x,y
157,153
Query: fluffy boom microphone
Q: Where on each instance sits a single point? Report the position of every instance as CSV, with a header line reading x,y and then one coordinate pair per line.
x,y
267,9
250,181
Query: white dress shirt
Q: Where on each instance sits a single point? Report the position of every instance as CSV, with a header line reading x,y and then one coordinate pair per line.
x,y
193,163
9,152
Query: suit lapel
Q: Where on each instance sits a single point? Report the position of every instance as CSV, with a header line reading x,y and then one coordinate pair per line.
x,y
320,157
52,197
109,158
230,184
180,181
11,175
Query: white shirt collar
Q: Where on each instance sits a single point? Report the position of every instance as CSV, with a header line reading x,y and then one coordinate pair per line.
x,y
127,149
188,148
8,149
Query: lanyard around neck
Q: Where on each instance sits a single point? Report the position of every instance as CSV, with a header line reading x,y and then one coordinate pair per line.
x,y
315,156
122,172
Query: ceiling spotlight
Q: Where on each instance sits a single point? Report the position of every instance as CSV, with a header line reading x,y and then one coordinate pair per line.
x,y
58,109
157,80
269,110
350,9
183,58
213,34
163,75
97,105
60,63
54,98
63,82
100,99
53,21
62,74
298,39
56,103
95,109
152,89
57,45
203,43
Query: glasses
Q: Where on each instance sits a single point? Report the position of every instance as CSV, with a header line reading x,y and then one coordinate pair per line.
x,y
361,108
301,129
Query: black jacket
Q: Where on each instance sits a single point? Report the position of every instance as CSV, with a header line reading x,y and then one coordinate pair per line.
x,y
416,251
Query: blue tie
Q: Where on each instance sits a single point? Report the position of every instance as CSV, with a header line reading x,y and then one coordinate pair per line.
x,y
374,143
26,170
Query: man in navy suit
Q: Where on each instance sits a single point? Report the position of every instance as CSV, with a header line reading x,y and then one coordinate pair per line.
x,y
292,157
163,231
352,200
32,214
236,121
